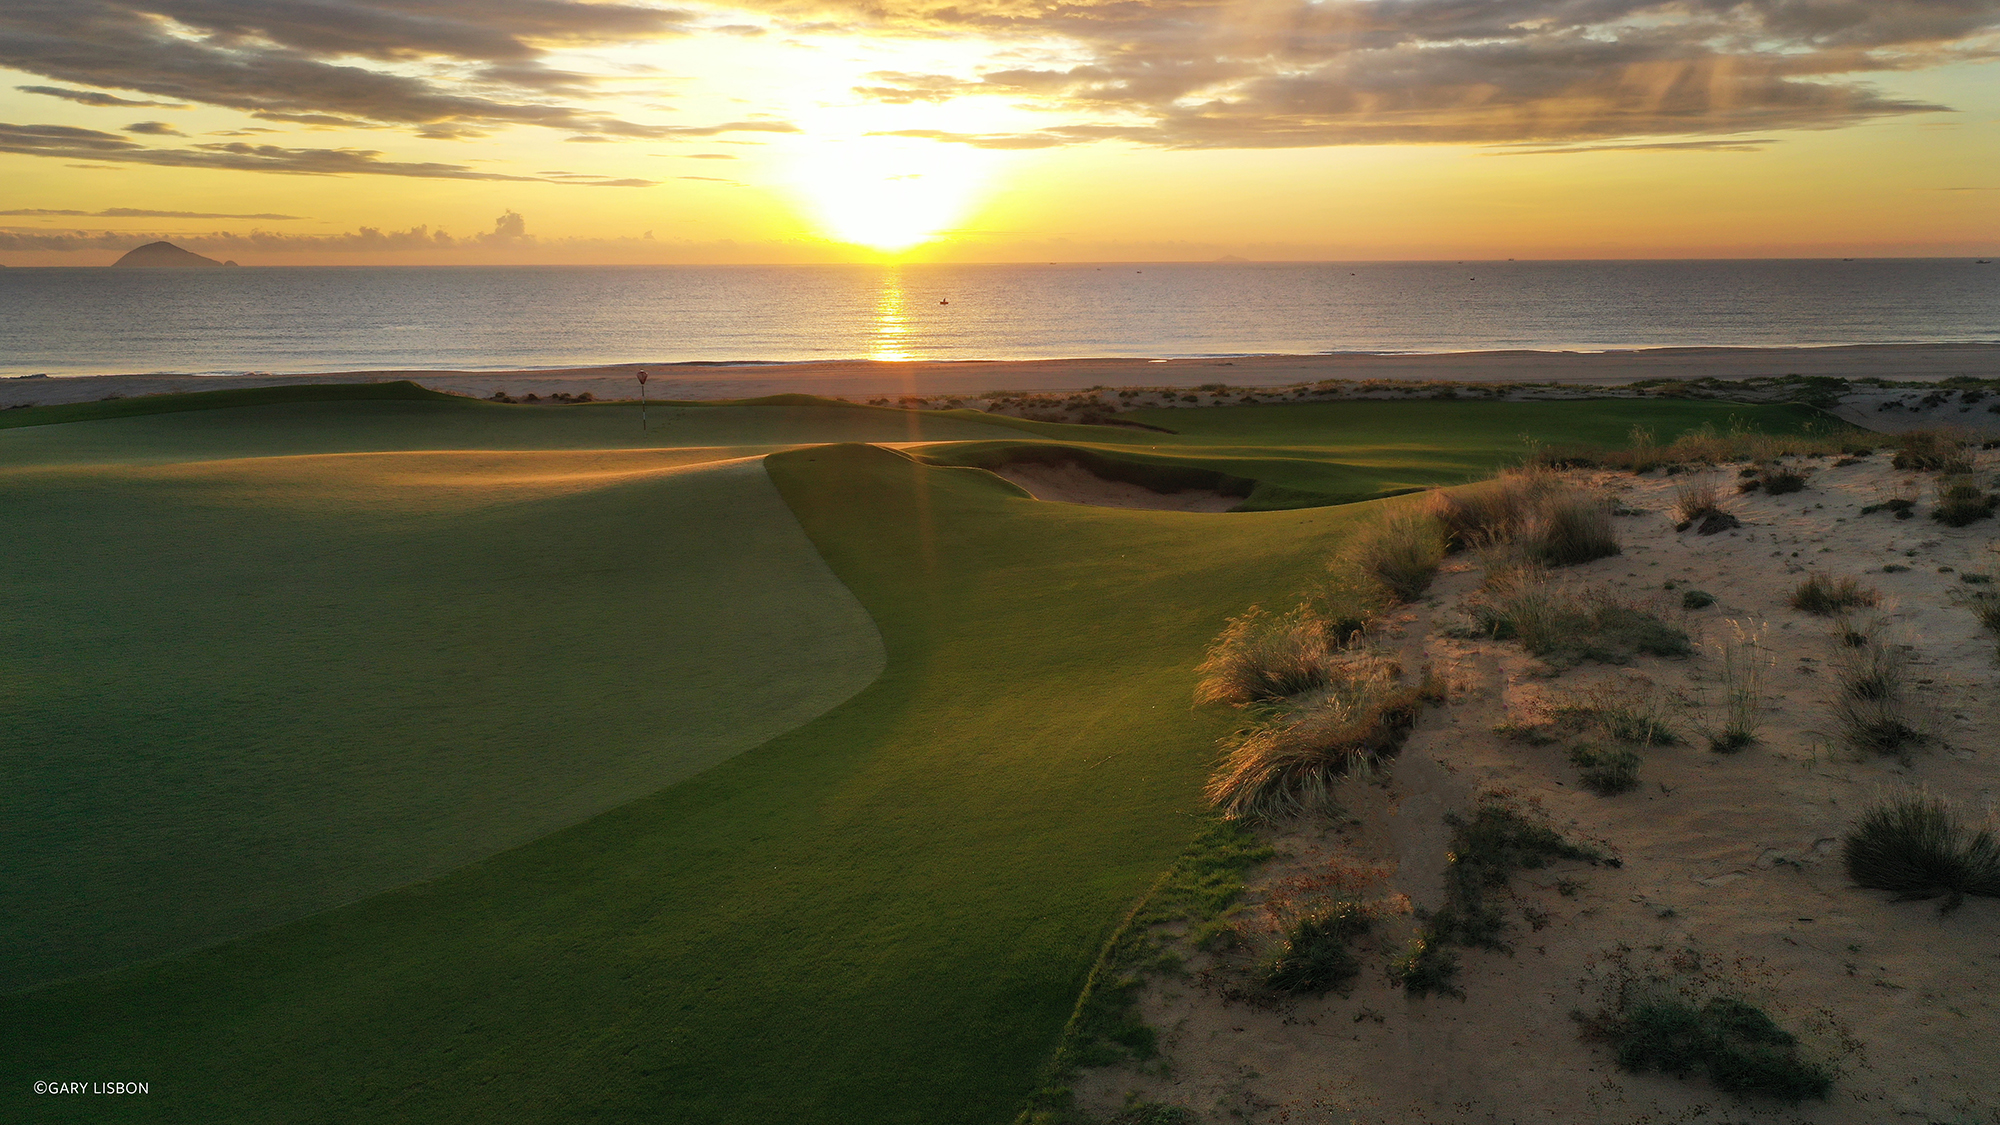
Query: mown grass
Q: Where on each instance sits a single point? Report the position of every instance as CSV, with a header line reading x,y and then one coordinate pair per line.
x,y
262,689
944,855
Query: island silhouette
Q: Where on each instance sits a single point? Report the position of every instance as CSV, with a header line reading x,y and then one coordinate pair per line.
x,y
165,255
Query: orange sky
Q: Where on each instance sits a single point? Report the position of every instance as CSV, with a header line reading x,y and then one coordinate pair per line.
x,y
382,131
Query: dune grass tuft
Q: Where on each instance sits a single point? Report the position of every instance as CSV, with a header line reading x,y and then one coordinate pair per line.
x,y
1606,773
1698,505
1490,510
1823,596
1286,763
1932,451
1741,659
1261,657
1400,554
1960,501
1917,847
1569,527
1986,607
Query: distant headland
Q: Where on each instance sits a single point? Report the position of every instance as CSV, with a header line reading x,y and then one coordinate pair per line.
x,y
165,255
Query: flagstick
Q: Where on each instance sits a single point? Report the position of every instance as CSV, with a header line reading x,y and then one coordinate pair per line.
x,y
642,401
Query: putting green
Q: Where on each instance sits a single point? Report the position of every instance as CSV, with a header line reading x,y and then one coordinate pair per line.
x,y
241,692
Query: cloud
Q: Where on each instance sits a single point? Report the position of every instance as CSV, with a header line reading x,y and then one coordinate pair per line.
x,y
92,97
442,69
1748,144
70,142
510,231
154,129
1291,73
141,213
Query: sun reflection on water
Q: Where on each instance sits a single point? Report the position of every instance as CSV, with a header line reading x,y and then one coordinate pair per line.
x,y
891,322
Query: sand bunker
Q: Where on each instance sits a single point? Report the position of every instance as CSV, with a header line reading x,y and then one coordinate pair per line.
x,y
1074,484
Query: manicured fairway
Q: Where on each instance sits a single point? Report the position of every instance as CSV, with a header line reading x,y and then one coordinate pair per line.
x,y
1339,452
263,688
883,916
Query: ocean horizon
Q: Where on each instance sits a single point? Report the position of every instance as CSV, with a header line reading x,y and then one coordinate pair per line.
x,y
311,320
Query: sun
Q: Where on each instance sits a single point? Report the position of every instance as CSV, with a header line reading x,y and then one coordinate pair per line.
x,y
889,194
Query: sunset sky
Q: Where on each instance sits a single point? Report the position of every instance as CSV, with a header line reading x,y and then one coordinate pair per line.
x,y
401,131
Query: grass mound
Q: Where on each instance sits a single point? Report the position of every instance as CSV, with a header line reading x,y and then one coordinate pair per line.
x,y
1314,957
1916,846
1822,596
1286,764
1570,528
1739,1048
1565,625
1773,480
1550,522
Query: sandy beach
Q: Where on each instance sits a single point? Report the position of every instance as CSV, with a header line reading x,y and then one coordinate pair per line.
x,y
861,379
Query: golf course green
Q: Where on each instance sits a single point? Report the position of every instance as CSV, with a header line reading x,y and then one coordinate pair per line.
x,y
412,758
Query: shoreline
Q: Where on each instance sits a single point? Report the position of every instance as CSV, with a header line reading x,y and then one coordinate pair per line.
x,y
699,380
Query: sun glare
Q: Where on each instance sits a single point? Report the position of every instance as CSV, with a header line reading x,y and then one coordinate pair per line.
x,y
887,193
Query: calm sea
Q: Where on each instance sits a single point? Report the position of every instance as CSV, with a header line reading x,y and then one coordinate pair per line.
x,y
66,321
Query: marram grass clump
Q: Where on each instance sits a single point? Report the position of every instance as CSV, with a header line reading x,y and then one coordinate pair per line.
x,y
1917,847
1566,624
1261,657
1823,596
1287,762
1400,554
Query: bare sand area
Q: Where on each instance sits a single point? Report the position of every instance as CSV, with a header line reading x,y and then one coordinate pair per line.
x,y
1731,880
861,379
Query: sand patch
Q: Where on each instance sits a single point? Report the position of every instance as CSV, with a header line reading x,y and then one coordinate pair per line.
x,y
1074,484
1733,858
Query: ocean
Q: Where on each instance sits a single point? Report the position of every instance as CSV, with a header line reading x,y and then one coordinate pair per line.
x,y
76,321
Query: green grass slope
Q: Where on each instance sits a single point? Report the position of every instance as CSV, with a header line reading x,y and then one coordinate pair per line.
x,y
1307,454
239,424
236,697
882,917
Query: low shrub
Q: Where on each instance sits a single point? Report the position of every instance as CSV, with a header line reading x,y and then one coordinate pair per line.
x,y
1426,967
1140,1112
1696,599
1823,596
1736,1045
1606,773
1915,846
1902,508
1286,764
1260,657
1567,625
1960,501
1400,554
1314,958
1779,480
